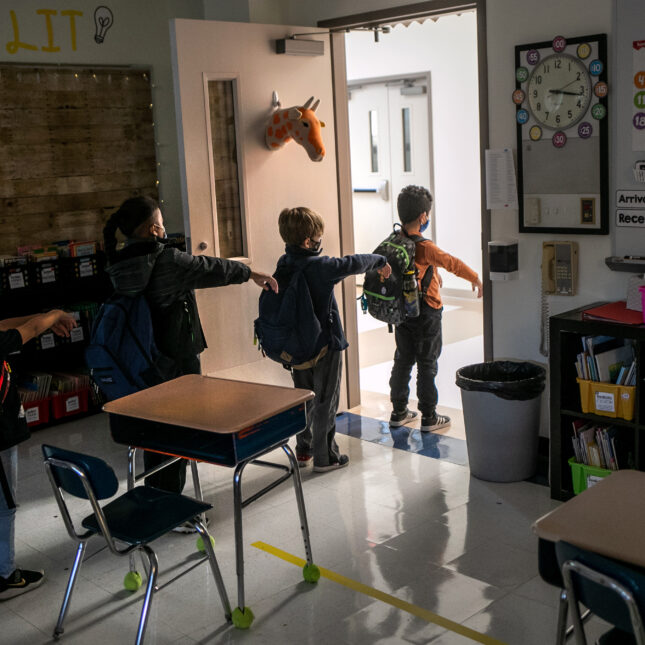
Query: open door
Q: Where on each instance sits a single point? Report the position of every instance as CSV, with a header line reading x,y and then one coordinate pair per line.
x,y
225,74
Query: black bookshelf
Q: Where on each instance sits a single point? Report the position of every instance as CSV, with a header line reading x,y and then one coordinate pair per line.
x,y
565,332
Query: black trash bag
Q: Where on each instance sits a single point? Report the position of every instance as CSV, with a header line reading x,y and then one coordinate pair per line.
x,y
515,381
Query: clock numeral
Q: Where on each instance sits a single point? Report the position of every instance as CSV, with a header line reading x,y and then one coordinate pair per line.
x,y
558,64
538,79
557,119
569,114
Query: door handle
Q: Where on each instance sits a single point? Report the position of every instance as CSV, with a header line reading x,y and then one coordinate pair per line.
x,y
383,190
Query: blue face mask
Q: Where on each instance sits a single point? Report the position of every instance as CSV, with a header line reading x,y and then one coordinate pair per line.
x,y
423,227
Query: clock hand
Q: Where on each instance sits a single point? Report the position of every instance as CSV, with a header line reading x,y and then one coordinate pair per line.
x,y
575,80
565,92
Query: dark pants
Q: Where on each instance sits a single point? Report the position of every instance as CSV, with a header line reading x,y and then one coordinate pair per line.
x,y
418,340
317,438
171,478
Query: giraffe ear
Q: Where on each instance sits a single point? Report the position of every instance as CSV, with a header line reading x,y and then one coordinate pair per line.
x,y
322,124
294,114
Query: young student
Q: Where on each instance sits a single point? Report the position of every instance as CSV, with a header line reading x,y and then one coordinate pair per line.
x,y
167,277
301,229
14,333
418,340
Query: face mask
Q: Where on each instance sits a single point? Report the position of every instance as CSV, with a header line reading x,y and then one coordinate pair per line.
x,y
315,246
423,227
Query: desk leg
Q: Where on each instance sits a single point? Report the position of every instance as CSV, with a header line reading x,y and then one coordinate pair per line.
x,y
197,485
132,578
297,484
242,616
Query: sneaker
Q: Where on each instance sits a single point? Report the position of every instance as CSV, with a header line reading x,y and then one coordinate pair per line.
x,y
304,460
429,424
401,418
343,461
187,527
20,581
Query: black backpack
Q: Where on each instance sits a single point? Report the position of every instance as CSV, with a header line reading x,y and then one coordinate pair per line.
x,y
384,298
122,354
287,329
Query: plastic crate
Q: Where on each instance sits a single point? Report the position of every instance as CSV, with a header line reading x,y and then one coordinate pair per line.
x,y
585,476
69,403
37,412
607,399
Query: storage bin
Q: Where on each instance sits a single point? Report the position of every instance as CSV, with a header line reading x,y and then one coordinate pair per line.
x,y
37,412
585,476
607,399
69,403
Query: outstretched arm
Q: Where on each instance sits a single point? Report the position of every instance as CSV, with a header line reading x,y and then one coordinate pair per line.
x,y
265,281
31,326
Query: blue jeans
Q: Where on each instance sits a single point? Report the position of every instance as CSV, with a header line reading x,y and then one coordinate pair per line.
x,y
8,516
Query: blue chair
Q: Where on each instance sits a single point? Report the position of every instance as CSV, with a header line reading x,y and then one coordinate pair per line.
x,y
133,520
612,590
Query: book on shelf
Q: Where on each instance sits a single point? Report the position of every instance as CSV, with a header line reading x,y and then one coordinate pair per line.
x,y
606,359
595,445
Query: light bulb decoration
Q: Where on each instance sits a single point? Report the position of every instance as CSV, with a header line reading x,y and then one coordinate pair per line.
x,y
103,20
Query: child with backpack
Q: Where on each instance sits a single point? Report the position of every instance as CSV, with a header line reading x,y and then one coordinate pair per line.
x,y
302,229
167,277
418,340
14,333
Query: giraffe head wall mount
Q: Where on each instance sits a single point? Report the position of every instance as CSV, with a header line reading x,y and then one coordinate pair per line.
x,y
298,123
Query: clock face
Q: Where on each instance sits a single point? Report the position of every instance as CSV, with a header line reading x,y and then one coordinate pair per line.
x,y
559,91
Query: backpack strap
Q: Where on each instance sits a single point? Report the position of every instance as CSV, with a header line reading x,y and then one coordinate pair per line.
x,y
426,279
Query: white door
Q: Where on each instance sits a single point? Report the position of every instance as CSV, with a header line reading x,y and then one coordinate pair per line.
x,y
390,148
269,180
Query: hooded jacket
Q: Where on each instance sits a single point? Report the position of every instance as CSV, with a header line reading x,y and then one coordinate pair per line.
x,y
167,277
322,274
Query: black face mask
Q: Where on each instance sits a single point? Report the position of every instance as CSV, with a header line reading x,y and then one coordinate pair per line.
x,y
317,248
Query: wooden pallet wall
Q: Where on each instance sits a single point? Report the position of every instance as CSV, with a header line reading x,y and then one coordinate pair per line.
x,y
74,143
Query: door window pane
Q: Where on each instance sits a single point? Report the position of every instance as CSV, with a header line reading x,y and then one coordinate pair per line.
x,y
226,169
407,151
374,140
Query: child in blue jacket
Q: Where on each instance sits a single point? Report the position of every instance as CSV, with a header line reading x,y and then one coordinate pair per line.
x,y
302,229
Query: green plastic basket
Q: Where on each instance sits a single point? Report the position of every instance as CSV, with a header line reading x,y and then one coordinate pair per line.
x,y
585,476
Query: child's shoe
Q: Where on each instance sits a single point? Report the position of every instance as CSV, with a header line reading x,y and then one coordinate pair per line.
x,y
303,460
430,424
19,582
401,418
343,461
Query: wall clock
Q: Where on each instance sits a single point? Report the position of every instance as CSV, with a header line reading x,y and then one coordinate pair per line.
x,y
562,135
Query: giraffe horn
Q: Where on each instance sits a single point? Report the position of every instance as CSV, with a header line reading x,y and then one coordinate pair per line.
x,y
315,105
308,103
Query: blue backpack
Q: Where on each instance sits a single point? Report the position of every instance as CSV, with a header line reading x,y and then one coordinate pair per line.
x,y
287,328
122,355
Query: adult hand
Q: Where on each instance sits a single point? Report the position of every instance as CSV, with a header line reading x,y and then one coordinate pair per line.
x,y
385,271
477,286
265,281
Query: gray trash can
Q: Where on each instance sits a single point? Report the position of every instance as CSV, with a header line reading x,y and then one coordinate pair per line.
x,y
501,403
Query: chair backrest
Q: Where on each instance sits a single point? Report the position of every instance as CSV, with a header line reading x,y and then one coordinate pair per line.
x,y
99,474
597,594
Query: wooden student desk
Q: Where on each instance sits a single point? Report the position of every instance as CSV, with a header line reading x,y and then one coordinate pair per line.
x,y
223,422
608,518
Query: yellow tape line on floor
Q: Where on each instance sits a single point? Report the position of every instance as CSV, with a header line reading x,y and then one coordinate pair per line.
x,y
419,612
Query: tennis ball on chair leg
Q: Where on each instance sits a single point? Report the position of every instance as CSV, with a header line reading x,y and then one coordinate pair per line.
x,y
311,573
132,580
242,618
200,543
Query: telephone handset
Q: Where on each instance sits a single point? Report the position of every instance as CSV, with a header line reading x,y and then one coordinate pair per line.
x,y
559,268
559,277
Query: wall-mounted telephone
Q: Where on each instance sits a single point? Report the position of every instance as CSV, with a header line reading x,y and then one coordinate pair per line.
x,y
559,278
559,268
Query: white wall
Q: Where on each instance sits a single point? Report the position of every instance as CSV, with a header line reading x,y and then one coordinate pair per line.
x,y
455,119
139,36
516,307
